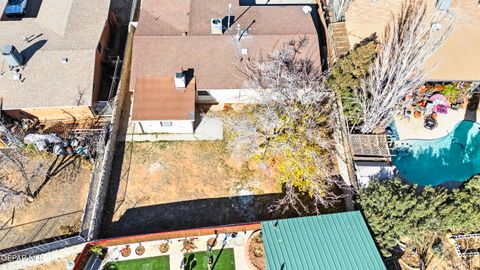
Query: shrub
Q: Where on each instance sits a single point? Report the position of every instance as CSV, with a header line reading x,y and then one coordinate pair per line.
x,y
346,76
452,93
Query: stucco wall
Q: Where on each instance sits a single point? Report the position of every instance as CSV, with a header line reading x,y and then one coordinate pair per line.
x,y
178,126
227,96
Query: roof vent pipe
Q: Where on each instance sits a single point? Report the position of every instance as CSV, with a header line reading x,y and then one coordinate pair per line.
x,y
239,31
307,9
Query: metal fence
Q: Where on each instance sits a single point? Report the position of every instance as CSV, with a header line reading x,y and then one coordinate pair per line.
x,y
28,252
100,177
29,239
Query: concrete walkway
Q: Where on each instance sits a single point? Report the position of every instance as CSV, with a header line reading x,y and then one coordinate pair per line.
x,y
208,130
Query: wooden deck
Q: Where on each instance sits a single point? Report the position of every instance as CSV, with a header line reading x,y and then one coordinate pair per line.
x,y
340,39
370,147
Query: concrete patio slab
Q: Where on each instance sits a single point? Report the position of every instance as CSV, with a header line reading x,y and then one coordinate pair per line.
x,y
412,128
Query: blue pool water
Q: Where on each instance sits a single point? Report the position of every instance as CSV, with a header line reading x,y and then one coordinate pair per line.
x,y
455,157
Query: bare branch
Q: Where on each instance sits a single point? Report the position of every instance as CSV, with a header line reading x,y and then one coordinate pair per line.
x,y
408,41
338,9
292,124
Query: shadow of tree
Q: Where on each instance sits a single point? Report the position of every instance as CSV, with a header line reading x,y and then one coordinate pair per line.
x,y
472,107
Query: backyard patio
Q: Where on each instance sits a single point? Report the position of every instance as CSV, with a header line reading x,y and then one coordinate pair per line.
x,y
412,128
435,109
226,251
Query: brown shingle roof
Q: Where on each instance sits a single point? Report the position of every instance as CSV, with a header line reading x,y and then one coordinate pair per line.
x,y
161,49
65,29
157,99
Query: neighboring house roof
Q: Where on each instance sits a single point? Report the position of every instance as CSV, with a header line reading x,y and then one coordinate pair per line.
x,y
338,241
157,98
458,59
175,35
63,29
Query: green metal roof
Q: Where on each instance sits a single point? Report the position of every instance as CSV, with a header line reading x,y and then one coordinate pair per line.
x,y
337,241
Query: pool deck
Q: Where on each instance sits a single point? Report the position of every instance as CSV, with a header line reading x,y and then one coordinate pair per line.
x,y
412,128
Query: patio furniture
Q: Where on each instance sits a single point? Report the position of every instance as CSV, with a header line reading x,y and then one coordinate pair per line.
x,y
430,123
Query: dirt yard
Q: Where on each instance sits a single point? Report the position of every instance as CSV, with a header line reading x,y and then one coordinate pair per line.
x,y
174,185
56,210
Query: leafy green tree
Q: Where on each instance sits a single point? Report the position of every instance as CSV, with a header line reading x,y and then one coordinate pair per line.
x,y
346,76
396,210
464,208
386,206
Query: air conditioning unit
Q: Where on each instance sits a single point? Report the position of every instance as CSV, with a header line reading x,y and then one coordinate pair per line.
x,y
216,26
12,56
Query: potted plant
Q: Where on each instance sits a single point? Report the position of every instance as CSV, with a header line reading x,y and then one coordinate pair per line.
x,y
212,242
452,93
126,251
111,266
164,247
97,250
188,245
140,250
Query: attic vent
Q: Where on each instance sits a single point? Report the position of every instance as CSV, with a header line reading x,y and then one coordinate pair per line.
x,y
180,80
216,26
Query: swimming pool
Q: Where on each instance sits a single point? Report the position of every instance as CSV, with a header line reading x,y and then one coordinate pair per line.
x,y
455,157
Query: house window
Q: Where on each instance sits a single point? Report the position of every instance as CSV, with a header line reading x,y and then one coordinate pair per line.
x,y
203,93
166,123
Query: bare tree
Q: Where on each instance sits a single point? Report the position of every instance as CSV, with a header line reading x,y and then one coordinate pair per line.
x,y
293,122
338,9
24,174
15,167
399,68
80,96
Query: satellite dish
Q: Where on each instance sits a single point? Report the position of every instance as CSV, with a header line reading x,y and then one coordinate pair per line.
x,y
307,9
